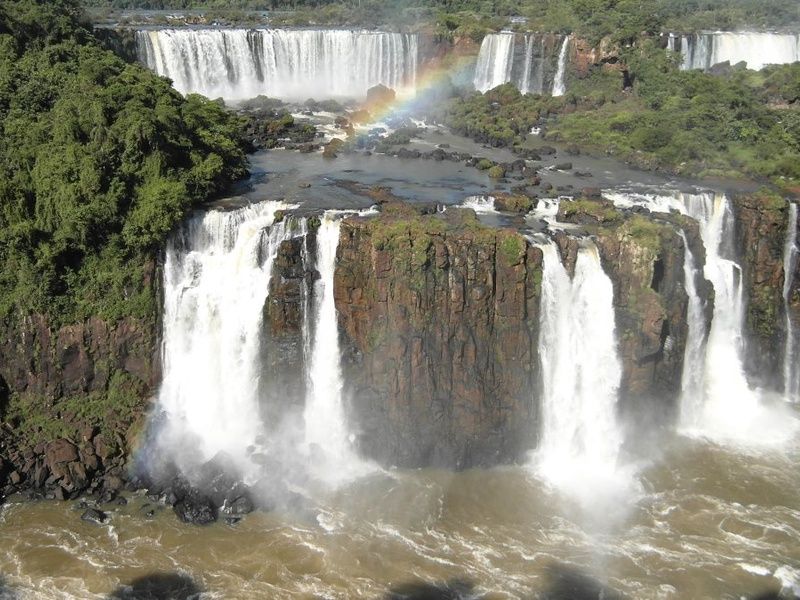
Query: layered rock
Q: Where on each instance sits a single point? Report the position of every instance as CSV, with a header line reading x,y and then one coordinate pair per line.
x,y
73,399
439,321
643,257
760,233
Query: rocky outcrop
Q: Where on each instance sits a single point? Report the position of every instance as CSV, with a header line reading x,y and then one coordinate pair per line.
x,y
73,400
643,256
289,300
760,233
439,321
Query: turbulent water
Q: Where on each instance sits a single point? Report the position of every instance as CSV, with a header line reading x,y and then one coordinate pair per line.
x,y
295,64
757,49
534,63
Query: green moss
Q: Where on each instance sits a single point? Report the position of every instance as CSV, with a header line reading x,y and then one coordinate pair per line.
x,y
645,232
496,172
484,164
511,246
600,211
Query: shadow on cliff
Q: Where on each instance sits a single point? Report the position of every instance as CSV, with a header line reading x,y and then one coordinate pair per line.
x,y
158,586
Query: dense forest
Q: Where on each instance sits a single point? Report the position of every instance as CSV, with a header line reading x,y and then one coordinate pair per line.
x,y
621,19
98,161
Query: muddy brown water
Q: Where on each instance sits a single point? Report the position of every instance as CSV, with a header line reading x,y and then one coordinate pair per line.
x,y
707,522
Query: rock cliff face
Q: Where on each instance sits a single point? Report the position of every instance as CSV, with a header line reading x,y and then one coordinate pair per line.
x,y
439,320
643,257
76,396
760,234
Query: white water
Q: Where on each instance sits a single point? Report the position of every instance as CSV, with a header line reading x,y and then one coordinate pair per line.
x,y
495,59
558,83
216,281
522,59
581,370
730,410
757,49
693,379
480,204
326,431
237,64
791,373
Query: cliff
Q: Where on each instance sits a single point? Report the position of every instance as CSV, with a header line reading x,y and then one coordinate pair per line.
x,y
760,234
439,320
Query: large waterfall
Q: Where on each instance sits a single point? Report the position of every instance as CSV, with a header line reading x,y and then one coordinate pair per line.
x,y
535,63
729,410
581,371
237,64
216,284
703,50
791,371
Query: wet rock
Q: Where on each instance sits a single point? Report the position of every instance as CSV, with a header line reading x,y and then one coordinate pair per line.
x,y
547,150
240,506
582,174
93,515
594,193
564,166
196,510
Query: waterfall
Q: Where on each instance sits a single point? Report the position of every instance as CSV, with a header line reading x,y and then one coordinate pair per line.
x,y
581,371
495,60
757,49
729,409
558,83
480,204
216,281
529,61
237,64
791,374
692,381
326,431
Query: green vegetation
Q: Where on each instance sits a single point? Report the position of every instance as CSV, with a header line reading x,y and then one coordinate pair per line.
x,y
621,20
99,160
739,124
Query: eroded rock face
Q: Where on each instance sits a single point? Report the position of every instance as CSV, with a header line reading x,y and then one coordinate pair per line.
x,y
760,233
439,321
643,256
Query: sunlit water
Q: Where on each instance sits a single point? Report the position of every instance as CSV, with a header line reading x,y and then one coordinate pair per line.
x,y
709,524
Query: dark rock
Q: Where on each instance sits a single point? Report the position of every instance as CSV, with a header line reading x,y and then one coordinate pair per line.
x,y
196,509
60,451
240,506
546,150
565,166
592,192
93,515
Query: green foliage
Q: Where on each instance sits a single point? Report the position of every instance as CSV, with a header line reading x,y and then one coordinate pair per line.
x,y
99,160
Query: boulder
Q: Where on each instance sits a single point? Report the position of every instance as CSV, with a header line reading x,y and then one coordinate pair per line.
x,y
196,510
93,515
59,452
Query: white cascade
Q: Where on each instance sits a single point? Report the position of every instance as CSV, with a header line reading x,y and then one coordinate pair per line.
x,y
791,373
521,59
237,64
480,204
495,61
327,436
216,281
581,370
757,49
559,87
730,409
693,379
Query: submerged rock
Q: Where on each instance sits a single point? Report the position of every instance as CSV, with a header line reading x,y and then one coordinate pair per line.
x,y
93,515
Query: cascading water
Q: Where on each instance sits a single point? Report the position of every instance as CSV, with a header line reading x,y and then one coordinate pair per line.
x,y
216,281
757,49
326,432
529,61
559,87
237,64
693,379
480,204
791,373
581,371
495,59
729,410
